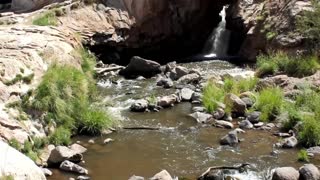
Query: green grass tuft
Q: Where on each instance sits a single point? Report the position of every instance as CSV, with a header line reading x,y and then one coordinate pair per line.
x,y
212,95
292,66
303,156
310,133
61,136
269,102
46,19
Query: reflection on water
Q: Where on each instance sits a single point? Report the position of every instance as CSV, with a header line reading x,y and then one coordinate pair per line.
x,y
183,147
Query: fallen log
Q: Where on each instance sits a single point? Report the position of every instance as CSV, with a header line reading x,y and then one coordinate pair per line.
x,y
103,70
239,167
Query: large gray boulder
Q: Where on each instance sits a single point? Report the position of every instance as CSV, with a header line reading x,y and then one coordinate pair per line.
x,y
201,117
186,94
139,105
19,166
238,106
254,117
62,153
72,167
141,67
285,173
230,139
289,142
309,172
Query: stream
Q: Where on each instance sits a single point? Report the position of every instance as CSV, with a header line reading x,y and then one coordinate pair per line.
x,y
182,147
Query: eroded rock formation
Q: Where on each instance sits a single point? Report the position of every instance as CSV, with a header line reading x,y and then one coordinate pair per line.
x,y
259,26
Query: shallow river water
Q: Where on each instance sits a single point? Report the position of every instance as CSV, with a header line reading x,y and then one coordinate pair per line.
x,y
183,147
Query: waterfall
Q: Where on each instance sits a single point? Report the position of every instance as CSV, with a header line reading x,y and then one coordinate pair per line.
x,y
217,44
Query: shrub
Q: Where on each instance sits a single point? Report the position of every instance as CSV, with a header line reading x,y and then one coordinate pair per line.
x,y
60,88
303,156
93,120
46,19
61,136
310,133
88,60
212,95
269,102
281,62
300,67
15,144
239,86
39,143
265,66
294,116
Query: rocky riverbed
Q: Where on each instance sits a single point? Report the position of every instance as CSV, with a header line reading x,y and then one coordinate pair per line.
x,y
177,136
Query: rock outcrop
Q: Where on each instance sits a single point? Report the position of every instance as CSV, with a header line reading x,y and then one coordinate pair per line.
x,y
261,25
15,164
27,52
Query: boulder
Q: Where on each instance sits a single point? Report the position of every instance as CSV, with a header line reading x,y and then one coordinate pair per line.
x,y
246,124
181,71
165,82
46,172
230,139
72,167
285,173
108,140
196,97
189,78
238,106
78,148
163,175
314,151
168,101
258,125
224,124
134,177
214,174
248,101
139,105
186,94
17,164
309,172
83,178
198,109
62,153
254,117
289,142
201,117
219,114
139,66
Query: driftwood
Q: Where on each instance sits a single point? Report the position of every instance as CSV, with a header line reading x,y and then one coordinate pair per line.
x,y
142,128
239,167
103,70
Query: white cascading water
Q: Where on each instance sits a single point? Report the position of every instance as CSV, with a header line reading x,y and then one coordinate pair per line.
x,y
217,44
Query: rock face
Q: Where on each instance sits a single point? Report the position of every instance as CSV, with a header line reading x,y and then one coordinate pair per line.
x,y
285,173
265,24
139,66
18,165
28,5
309,172
31,49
